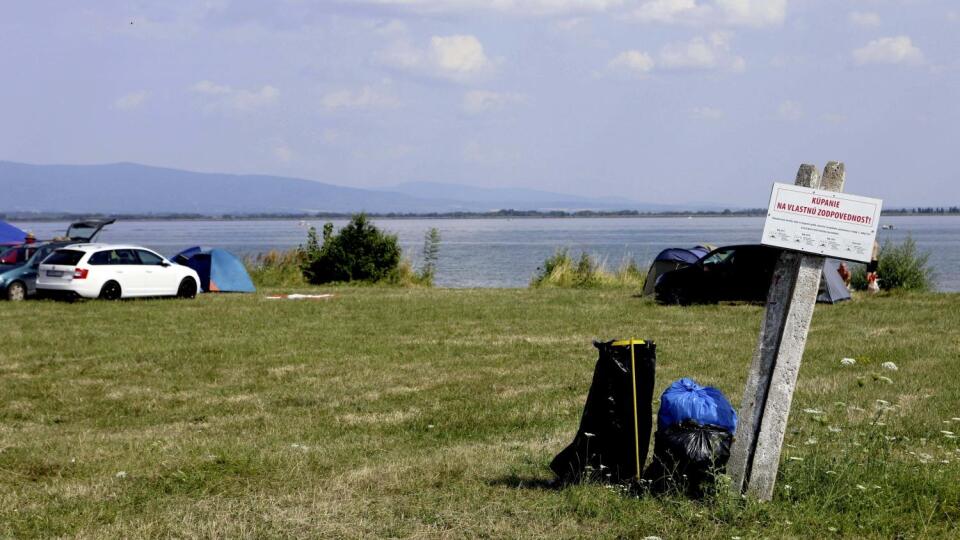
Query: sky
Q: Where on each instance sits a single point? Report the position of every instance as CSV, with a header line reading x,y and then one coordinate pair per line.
x,y
660,101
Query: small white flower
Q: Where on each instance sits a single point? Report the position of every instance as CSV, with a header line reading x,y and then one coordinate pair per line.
x,y
889,365
832,529
73,460
847,361
588,435
811,441
121,474
429,426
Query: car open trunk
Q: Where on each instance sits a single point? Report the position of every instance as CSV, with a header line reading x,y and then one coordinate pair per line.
x,y
85,231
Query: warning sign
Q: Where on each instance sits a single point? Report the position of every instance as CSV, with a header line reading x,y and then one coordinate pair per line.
x,y
824,223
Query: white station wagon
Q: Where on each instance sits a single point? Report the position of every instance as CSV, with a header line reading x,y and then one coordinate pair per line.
x,y
112,272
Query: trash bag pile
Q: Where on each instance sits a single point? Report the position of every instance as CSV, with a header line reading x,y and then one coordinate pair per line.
x,y
695,427
611,443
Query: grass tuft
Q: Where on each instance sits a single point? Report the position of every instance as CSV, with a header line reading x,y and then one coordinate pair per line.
x,y
560,270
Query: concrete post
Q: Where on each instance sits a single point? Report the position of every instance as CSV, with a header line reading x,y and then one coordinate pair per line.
x,y
765,407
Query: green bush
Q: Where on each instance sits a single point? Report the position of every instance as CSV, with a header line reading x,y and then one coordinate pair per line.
x,y
559,270
900,266
358,252
276,268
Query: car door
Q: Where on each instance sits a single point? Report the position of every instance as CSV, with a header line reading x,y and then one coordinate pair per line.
x,y
160,278
29,275
128,272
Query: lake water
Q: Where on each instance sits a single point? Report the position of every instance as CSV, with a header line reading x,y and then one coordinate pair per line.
x,y
507,252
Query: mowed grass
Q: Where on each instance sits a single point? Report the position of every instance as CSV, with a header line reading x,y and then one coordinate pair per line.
x,y
434,413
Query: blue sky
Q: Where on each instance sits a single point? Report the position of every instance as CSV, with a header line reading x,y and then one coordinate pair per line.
x,y
666,101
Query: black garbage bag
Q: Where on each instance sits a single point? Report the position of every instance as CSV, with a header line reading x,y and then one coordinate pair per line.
x,y
687,456
615,427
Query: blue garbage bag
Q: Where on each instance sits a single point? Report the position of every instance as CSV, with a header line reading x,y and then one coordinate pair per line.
x,y
686,400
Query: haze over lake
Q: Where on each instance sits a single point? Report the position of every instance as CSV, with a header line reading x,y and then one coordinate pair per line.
x,y
507,252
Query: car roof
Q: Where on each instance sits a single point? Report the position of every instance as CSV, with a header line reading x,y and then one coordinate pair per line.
x,y
100,247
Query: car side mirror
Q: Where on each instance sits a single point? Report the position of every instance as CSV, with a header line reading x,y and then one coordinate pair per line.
x,y
164,264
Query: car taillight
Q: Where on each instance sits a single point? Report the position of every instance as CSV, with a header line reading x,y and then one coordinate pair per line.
x,y
80,273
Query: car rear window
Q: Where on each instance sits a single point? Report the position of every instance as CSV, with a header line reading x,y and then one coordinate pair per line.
x,y
100,257
65,257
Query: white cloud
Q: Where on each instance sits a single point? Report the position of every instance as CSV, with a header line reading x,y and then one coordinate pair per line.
x,y
633,62
283,153
706,113
509,7
755,13
227,99
889,50
864,18
478,101
712,52
790,110
131,101
458,57
364,98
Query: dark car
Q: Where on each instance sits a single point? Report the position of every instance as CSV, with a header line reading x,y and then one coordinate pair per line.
x,y
731,273
18,269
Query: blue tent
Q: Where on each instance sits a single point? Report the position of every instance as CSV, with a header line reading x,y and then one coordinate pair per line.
x,y
219,270
672,259
10,235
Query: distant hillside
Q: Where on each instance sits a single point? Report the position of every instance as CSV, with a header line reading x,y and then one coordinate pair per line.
x,y
129,188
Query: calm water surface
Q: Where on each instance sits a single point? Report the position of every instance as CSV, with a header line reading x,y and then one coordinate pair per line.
x,y
507,252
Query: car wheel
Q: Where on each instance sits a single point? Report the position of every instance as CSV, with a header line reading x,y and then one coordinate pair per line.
x,y
110,291
187,289
16,291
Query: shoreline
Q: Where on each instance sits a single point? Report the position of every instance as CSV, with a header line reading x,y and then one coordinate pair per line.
x,y
53,218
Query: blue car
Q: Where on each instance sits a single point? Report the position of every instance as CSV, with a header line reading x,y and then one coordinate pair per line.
x,y
18,269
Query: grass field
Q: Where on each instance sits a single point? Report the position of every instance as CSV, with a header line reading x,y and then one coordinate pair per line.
x,y
433,413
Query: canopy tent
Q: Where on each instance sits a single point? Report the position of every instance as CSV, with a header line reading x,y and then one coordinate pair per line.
x,y
832,287
10,235
219,270
672,259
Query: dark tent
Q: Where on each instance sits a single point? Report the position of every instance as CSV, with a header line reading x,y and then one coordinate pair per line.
x,y
672,259
832,287
219,270
10,235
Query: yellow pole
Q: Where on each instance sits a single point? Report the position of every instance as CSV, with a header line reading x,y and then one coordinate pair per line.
x,y
636,423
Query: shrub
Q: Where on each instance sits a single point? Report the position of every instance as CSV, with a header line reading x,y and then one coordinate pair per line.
x,y
559,270
276,268
431,253
358,252
900,266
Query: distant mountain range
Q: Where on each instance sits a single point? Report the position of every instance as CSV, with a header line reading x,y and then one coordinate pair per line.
x,y
129,188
